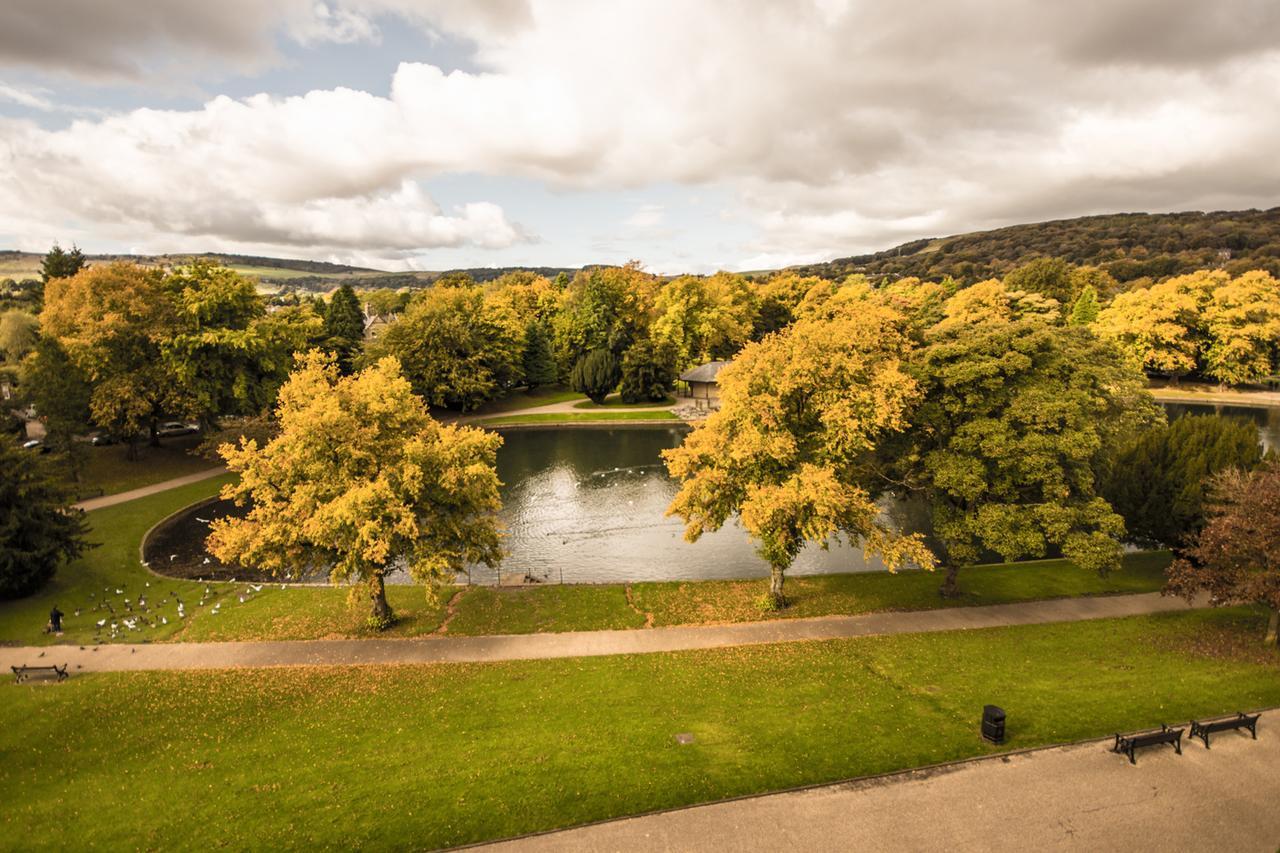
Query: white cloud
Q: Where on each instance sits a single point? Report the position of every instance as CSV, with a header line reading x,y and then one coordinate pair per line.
x,y
647,216
840,127
25,98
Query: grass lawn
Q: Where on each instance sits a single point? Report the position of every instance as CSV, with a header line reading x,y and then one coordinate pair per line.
x,y
310,612
425,756
544,396
109,469
582,417
614,401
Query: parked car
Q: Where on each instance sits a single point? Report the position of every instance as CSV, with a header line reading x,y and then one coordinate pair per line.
x,y
35,445
102,439
176,428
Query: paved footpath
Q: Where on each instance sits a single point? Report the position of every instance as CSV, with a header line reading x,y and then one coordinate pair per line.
x,y
442,649
145,491
1078,797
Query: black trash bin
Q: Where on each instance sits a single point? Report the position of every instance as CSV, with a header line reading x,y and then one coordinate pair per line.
x,y
993,723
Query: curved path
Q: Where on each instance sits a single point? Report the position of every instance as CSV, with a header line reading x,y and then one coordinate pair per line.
x,y
118,657
145,491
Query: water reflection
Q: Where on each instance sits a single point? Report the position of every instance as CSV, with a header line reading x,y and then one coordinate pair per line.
x,y
587,506
1266,417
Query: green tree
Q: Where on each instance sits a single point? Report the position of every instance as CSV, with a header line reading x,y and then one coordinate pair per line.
x,y
360,479
1015,420
539,364
648,371
1157,478
228,354
58,263
62,397
113,321
38,528
344,326
788,452
1085,310
456,347
1236,557
596,374
18,331
1049,277
603,308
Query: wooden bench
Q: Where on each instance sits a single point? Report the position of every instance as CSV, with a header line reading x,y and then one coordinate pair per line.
x,y
1128,744
1239,721
23,673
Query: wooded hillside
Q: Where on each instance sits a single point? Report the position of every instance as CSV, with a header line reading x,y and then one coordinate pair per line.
x,y
1127,245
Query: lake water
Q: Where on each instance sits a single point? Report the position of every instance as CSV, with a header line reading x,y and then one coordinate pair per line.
x,y
1266,417
587,506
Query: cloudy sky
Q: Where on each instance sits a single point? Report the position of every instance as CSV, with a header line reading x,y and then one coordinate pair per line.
x,y
738,134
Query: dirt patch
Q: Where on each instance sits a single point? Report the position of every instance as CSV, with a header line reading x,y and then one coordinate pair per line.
x,y
1238,639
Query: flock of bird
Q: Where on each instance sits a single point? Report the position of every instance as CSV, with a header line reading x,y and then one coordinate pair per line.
x,y
122,612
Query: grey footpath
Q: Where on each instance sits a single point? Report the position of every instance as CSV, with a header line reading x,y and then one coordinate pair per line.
x,y
444,649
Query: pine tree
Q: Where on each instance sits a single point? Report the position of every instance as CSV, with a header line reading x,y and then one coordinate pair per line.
x,y
539,365
1157,479
40,529
344,326
61,264
1086,308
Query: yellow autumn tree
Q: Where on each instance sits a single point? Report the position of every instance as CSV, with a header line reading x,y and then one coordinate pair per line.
x,y
360,481
1157,327
789,451
1242,318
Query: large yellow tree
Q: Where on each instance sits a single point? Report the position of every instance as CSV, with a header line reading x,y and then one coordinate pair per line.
x,y
360,481
1158,327
1242,318
789,452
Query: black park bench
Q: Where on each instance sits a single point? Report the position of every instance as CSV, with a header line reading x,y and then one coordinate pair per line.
x,y
1239,721
24,673
1128,744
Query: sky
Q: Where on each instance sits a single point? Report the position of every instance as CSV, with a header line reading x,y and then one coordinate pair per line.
x,y
691,136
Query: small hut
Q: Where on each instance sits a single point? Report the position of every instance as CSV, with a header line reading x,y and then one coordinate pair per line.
x,y
701,382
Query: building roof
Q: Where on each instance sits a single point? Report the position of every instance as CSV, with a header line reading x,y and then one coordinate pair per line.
x,y
704,372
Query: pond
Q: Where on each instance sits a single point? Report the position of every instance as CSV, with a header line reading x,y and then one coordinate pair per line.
x,y
587,506
1266,417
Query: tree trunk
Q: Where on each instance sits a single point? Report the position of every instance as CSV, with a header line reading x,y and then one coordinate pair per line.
x,y
776,579
382,615
949,588
1273,627
155,434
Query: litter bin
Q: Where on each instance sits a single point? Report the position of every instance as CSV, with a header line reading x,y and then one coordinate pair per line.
x,y
993,723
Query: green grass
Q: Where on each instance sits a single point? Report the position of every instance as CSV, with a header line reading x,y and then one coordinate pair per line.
x,y
582,417
526,610
544,396
311,612
685,602
110,470
425,756
613,401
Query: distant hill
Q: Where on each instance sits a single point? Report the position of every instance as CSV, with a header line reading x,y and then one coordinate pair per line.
x,y
1128,245
277,272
